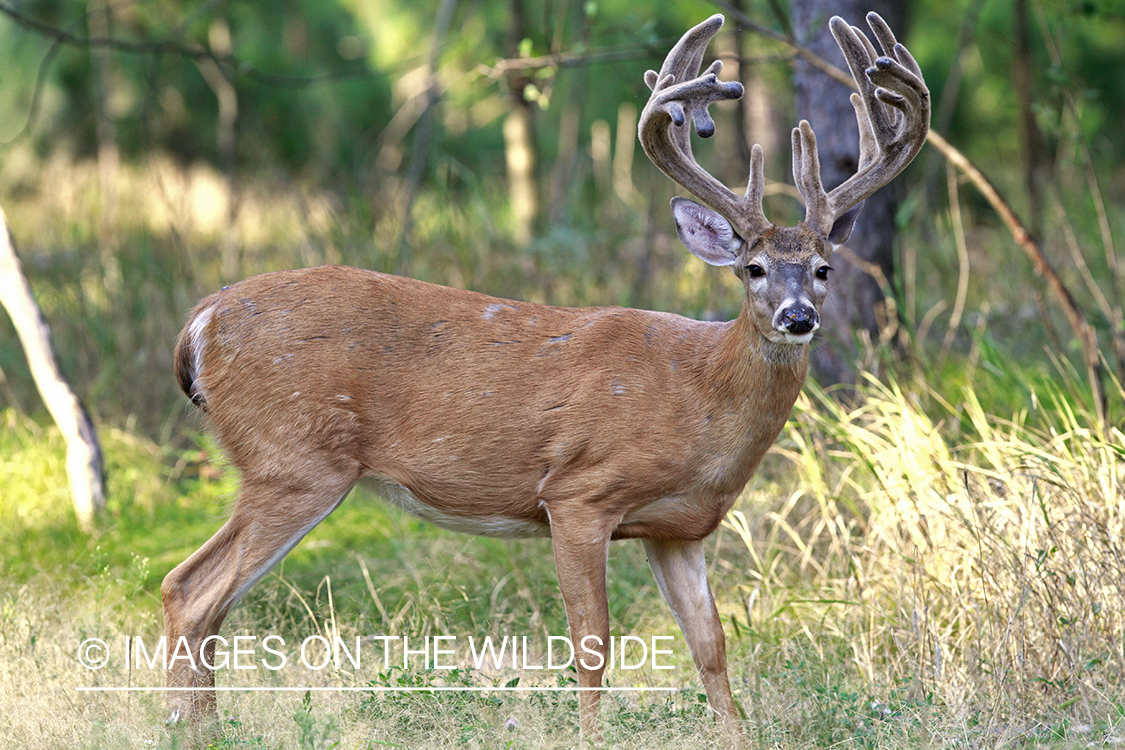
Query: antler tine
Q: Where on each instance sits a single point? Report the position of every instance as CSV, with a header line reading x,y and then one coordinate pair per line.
x,y
893,112
806,171
890,45
867,144
679,93
756,184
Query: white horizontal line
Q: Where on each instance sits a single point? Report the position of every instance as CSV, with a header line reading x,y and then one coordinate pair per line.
x,y
375,689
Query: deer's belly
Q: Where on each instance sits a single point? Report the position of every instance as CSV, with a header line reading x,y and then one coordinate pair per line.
x,y
481,525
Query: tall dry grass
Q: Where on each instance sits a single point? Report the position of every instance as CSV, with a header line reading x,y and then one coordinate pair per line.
x,y
977,561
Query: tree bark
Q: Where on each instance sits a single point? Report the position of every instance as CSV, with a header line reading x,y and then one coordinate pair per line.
x,y
519,141
856,307
83,454
1037,160
226,95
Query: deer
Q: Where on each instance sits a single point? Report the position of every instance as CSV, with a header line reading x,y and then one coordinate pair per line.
x,y
514,419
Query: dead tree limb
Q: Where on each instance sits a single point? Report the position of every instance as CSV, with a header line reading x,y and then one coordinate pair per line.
x,y
83,453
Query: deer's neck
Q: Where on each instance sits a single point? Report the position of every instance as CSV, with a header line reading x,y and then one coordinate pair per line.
x,y
750,365
753,383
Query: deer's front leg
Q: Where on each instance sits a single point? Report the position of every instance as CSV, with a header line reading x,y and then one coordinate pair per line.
x,y
681,574
581,547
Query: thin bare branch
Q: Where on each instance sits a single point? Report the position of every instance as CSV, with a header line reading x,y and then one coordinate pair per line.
x,y
962,260
1086,335
622,53
230,65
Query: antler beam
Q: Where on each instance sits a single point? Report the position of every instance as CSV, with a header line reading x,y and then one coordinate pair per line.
x,y
892,109
893,112
679,93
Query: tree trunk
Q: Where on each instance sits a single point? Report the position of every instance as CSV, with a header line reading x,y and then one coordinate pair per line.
x,y
83,454
226,95
519,141
423,133
856,307
1037,160
99,21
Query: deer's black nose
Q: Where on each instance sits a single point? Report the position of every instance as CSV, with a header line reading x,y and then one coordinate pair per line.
x,y
799,320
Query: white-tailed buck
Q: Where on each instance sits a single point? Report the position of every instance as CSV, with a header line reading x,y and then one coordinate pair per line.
x,y
509,418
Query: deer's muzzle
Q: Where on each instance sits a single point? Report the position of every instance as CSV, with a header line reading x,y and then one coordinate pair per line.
x,y
797,320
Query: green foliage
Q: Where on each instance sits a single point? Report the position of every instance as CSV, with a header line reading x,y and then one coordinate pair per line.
x,y
161,101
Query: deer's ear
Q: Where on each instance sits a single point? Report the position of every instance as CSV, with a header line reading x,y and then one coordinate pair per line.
x,y
842,228
705,233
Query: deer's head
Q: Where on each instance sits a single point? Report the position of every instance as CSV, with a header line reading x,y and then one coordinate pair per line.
x,y
785,270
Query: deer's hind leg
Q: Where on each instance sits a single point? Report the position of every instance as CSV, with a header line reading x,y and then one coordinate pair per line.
x,y
269,519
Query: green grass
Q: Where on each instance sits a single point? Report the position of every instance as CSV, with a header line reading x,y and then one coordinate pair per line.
x,y
909,570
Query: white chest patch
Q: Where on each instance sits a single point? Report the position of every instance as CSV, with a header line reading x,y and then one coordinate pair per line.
x,y
495,525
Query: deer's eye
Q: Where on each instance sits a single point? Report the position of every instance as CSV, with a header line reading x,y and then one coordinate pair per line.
x,y
822,272
756,271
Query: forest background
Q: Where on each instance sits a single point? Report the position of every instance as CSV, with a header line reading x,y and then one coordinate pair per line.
x,y
931,555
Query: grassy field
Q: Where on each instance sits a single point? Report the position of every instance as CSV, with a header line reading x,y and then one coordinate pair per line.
x,y
908,571
936,561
